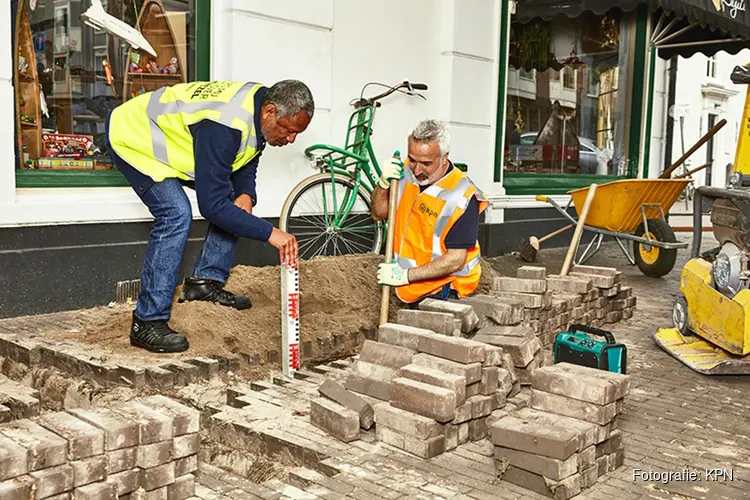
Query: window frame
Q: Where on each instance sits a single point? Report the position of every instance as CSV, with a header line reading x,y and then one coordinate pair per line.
x,y
32,178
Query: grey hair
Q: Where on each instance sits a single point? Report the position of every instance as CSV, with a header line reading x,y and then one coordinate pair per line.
x,y
290,97
433,131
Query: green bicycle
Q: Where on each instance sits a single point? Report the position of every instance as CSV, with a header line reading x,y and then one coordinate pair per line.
x,y
329,212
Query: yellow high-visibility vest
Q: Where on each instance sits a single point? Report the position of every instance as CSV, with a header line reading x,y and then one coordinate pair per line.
x,y
151,132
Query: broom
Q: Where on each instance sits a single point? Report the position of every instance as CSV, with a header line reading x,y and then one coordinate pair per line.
x,y
530,247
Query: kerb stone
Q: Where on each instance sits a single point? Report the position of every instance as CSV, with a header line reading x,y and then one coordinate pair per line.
x,y
463,312
452,348
370,380
338,421
438,322
569,380
401,335
472,372
538,464
379,353
539,435
455,383
336,392
423,399
406,422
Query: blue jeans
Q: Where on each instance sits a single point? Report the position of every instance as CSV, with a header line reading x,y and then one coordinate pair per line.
x,y
170,207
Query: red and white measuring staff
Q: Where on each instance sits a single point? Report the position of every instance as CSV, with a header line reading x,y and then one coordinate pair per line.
x,y
290,318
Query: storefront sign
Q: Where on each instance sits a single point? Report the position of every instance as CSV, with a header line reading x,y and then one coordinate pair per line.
x,y
733,6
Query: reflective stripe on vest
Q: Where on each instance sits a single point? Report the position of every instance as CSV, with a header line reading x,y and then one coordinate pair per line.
x,y
229,111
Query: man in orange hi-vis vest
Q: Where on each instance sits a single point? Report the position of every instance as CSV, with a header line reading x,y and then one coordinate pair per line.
x,y
435,247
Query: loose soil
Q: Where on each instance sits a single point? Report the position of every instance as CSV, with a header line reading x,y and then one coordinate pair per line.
x,y
338,296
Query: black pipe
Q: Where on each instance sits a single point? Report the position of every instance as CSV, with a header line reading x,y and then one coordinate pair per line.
x,y
697,224
671,95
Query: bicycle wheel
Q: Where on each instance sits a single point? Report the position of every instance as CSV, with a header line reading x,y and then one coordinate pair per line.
x,y
308,214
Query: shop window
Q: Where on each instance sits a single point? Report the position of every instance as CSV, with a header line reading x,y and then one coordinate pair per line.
x,y
578,63
69,76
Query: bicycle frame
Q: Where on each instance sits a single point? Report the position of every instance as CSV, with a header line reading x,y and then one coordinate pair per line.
x,y
351,162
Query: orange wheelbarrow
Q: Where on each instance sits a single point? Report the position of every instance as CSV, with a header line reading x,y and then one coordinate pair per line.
x,y
630,210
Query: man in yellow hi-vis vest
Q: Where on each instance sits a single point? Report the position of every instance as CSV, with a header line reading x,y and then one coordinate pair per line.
x,y
436,224
207,136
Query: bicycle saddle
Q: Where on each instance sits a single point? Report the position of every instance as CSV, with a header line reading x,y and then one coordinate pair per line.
x,y
741,75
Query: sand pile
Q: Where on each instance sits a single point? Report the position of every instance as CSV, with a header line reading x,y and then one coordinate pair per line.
x,y
338,296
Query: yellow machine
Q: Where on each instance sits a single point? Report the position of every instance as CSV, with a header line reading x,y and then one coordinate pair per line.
x,y
711,317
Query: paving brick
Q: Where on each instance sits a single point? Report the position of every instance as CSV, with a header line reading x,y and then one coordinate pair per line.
x,y
609,272
336,392
22,401
490,380
463,413
119,431
184,373
478,429
45,448
610,292
522,350
562,490
154,454
508,284
5,414
541,436
544,466
438,322
528,300
337,420
495,310
14,461
587,457
53,480
19,488
96,491
582,410
568,284
427,400
89,470
84,440
185,420
499,400
616,460
561,379
423,448
472,390
186,465
630,302
463,312
481,406
455,383
157,477
521,331
531,272
510,367
493,356
624,293
463,433
182,488
122,459
627,314
455,349
611,445
471,372
126,481
159,378
383,354
371,380
154,426
451,436
401,335
589,476
596,280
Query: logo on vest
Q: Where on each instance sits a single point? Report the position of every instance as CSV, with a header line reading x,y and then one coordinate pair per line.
x,y
424,209
210,90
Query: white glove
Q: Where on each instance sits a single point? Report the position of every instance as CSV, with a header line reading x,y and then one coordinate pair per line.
x,y
392,170
392,275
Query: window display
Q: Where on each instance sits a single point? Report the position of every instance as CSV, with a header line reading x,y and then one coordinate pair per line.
x,y
563,112
76,60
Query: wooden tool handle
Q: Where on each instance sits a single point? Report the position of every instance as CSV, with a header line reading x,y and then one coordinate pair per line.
x,y
392,200
555,233
668,172
696,169
578,231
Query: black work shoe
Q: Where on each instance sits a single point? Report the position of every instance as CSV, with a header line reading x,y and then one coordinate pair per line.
x,y
156,336
212,291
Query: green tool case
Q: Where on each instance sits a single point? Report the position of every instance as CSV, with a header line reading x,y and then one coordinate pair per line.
x,y
577,347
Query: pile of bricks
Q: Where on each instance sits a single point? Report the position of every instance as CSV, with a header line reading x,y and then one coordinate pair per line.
x,y
590,295
425,392
143,449
567,438
17,400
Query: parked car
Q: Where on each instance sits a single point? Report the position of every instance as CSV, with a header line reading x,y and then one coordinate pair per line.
x,y
592,160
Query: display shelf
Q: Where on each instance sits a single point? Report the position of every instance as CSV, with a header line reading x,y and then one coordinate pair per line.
x,y
155,27
27,95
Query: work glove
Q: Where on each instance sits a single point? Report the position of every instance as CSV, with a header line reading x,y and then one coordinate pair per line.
x,y
392,170
392,275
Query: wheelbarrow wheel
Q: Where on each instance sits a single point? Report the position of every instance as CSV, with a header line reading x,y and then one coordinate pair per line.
x,y
652,260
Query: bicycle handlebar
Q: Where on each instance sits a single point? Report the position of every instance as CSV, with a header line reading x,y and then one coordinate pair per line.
x,y
365,101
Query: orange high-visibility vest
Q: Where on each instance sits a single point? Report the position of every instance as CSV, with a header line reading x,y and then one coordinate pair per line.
x,y
421,223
